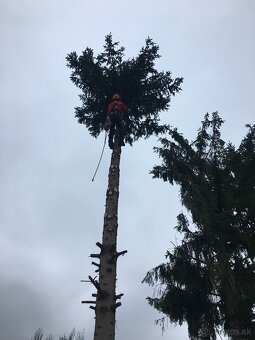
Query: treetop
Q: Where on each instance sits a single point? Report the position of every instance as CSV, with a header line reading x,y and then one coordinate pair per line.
x,y
144,90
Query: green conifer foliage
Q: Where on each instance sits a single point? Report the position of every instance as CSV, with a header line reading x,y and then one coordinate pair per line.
x,y
208,280
144,90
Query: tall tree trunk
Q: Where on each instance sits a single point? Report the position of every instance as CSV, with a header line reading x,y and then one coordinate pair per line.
x,y
106,297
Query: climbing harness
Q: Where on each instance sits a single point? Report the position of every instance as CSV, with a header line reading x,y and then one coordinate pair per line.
x,y
100,156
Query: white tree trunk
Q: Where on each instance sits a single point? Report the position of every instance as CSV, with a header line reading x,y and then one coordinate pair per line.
x,y
106,299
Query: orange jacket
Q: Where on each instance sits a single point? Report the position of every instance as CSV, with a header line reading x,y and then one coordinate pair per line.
x,y
116,105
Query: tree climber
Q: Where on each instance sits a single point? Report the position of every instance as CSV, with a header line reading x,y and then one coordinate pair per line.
x,y
115,113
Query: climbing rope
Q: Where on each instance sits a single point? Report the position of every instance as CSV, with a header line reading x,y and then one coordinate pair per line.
x,y
100,156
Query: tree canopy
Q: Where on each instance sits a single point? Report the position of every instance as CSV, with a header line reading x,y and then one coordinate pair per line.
x,y
144,90
208,280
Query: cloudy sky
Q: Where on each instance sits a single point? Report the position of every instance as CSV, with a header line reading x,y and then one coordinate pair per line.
x,y
51,211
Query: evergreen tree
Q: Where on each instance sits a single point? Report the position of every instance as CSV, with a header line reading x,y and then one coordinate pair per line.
x,y
208,280
146,92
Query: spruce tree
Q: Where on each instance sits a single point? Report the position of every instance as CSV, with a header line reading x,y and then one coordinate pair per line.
x,y
208,279
146,92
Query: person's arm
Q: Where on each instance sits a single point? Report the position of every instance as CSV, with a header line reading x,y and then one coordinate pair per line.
x,y
109,110
124,108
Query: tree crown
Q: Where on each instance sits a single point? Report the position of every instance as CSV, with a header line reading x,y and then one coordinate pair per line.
x,y
144,90
208,280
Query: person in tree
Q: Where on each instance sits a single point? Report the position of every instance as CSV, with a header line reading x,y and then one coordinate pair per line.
x,y
115,114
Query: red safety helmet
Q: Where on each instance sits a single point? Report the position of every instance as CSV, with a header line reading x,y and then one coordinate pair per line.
x,y
116,96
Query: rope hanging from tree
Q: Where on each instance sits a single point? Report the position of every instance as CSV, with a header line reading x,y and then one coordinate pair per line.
x,y
100,157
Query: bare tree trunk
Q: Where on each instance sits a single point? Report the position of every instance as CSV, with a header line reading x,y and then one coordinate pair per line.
x,y
106,298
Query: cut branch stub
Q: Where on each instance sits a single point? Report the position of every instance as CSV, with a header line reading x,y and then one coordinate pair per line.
x,y
96,264
100,246
119,296
95,283
116,255
118,304
95,255
98,267
121,253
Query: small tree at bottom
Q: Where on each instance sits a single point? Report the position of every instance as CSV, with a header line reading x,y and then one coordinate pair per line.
x,y
73,335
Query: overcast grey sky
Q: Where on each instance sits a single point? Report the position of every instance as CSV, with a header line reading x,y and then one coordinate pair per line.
x,y
51,212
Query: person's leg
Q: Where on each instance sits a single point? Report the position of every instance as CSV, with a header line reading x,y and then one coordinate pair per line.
x,y
111,134
119,123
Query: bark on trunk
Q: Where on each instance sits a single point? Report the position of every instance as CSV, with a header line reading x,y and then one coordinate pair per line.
x,y
106,299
